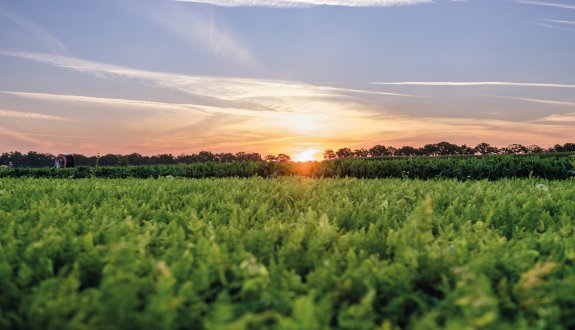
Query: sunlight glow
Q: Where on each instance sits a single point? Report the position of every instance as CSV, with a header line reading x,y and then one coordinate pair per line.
x,y
307,155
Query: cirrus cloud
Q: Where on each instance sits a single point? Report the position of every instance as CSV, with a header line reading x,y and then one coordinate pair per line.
x,y
308,3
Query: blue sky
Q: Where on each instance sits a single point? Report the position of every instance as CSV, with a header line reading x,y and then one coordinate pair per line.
x,y
154,76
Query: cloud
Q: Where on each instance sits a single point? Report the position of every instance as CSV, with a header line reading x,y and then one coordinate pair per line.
x,y
140,105
309,3
195,29
562,118
9,134
540,101
34,31
550,26
226,92
547,4
28,115
474,83
562,23
557,21
58,136
233,114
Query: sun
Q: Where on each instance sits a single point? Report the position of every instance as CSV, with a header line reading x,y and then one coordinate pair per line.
x,y
306,155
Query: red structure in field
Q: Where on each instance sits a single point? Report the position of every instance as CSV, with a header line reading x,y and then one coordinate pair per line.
x,y
64,161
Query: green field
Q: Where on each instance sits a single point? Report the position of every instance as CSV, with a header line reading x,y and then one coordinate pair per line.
x,y
286,253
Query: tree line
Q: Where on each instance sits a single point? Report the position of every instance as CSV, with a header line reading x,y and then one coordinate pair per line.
x,y
36,159
445,149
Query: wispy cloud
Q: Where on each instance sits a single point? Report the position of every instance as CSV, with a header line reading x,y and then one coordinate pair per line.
x,y
28,115
256,115
547,4
195,29
34,31
557,21
140,105
561,118
58,135
540,101
555,27
556,24
309,3
474,83
255,94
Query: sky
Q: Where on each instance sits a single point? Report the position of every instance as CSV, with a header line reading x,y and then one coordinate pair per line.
x,y
289,76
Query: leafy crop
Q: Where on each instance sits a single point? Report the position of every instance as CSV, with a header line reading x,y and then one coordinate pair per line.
x,y
286,253
462,168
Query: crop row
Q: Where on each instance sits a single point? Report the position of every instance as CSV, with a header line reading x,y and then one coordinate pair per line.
x,y
477,168
286,253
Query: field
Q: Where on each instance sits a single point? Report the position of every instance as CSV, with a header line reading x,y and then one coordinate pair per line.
x,y
492,167
286,253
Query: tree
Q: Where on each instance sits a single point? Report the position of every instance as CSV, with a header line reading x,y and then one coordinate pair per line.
x,y
135,159
466,150
430,150
445,148
329,154
163,159
344,153
569,147
407,151
254,156
206,156
515,149
226,157
361,153
485,149
123,161
558,148
378,151
534,149
391,151
270,158
283,158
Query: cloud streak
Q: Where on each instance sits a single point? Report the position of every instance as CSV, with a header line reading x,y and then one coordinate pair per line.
x,y
547,4
194,29
255,94
557,21
28,115
540,101
559,118
474,84
308,3
550,26
37,32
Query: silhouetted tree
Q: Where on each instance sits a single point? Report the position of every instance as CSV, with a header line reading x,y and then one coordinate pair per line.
x,y
329,154
516,149
378,151
361,153
344,153
534,149
485,149
283,158
123,161
445,148
569,147
466,150
135,159
270,158
430,150
391,151
109,160
407,151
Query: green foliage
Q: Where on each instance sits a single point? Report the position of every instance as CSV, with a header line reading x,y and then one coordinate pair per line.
x,y
555,167
286,253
